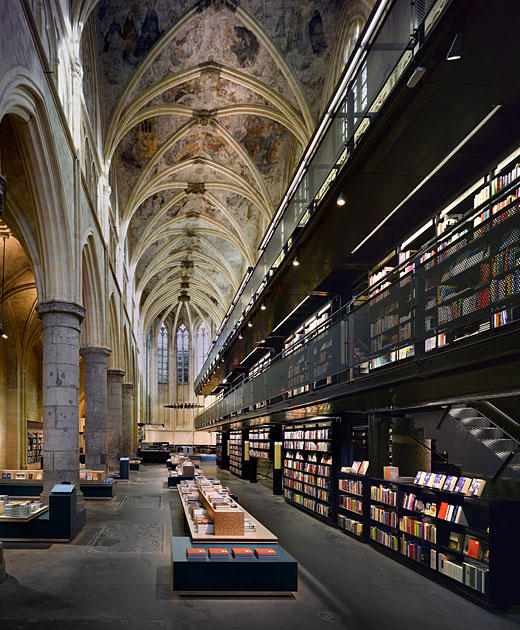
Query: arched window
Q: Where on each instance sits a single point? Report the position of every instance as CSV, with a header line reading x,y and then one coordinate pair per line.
x,y
202,346
354,29
162,355
183,347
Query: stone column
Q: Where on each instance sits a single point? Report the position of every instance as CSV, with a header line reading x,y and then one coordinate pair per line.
x,y
114,417
95,389
61,326
128,407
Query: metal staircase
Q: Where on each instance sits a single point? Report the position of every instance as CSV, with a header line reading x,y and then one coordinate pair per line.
x,y
505,447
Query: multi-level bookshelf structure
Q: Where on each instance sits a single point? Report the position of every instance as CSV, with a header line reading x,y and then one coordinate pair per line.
x,y
260,445
219,449
34,446
236,453
462,278
308,473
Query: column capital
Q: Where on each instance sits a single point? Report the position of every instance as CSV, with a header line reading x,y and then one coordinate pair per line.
x,y
94,353
115,374
57,307
128,386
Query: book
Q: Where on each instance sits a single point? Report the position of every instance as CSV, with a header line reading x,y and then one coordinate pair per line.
x,y
355,466
442,510
450,483
390,473
196,553
363,468
438,481
265,553
242,552
218,553
462,484
476,487
426,479
419,477
473,548
456,541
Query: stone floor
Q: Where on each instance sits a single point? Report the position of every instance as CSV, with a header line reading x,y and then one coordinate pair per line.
x,y
116,575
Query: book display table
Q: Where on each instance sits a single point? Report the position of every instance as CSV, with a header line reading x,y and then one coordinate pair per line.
x,y
278,575
23,519
261,533
135,464
174,480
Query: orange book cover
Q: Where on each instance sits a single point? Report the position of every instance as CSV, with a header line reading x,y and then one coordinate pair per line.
x,y
218,552
265,552
195,551
473,548
242,551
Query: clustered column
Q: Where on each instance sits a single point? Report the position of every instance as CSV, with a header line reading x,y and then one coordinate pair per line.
x,y
126,437
61,327
114,417
95,388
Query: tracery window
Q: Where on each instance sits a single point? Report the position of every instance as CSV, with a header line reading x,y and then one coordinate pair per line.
x,y
162,355
183,348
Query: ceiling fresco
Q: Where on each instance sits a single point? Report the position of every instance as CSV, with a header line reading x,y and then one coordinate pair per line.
x,y
202,103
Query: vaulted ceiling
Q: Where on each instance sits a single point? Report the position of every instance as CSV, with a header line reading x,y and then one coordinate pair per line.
x,y
206,109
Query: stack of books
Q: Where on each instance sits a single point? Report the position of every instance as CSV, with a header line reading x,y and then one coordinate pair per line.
x,y
242,553
196,553
265,553
218,554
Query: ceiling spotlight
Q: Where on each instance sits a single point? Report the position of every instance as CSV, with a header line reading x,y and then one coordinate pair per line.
x,y
416,76
263,307
341,201
296,262
3,334
249,325
455,51
240,336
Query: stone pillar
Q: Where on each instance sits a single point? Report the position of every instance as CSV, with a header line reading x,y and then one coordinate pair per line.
x,y
95,389
61,326
114,417
128,407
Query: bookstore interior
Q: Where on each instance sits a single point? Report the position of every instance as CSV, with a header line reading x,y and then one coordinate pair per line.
x,y
259,314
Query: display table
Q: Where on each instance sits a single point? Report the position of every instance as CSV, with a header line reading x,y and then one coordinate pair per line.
x,y
278,576
174,480
261,533
23,519
91,489
99,489
135,464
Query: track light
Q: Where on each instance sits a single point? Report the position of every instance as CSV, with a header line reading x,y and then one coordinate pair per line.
x,y
296,261
455,51
249,325
263,307
416,76
341,201
240,336
3,334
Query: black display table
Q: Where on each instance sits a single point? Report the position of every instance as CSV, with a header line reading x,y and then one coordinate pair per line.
x,y
278,576
90,489
173,482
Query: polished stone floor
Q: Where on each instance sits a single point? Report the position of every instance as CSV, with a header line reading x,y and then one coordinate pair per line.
x,y
116,575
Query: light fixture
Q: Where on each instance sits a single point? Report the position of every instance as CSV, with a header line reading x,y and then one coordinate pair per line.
x,y
416,76
341,201
296,261
263,307
3,334
240,336
455,51
249,325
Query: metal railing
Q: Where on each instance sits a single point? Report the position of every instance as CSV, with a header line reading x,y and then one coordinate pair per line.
x,y
465,282
391,38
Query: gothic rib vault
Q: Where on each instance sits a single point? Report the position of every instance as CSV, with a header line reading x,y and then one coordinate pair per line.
x,y
207,107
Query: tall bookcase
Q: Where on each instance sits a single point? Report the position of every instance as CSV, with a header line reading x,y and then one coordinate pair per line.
x,y
265,444
218,449
308,474
352,503
236,453
34,446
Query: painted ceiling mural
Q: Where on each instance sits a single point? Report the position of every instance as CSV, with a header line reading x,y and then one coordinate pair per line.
x,y
202,103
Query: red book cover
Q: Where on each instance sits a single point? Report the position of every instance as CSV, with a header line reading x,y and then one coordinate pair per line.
x,y
242,551
196,551
218,552
473,548
442,510
266,552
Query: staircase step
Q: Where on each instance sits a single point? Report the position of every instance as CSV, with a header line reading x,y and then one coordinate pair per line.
x,y
462,412
486,433
504,445
475,421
